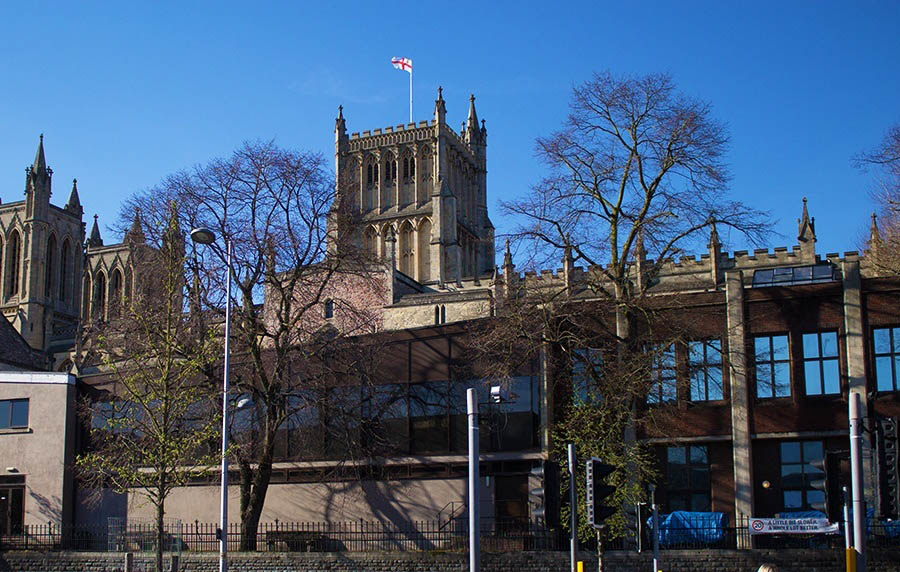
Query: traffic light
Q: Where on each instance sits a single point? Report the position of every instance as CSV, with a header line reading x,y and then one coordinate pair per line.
x,y
887,470
829,484
634,526
545,505
598,491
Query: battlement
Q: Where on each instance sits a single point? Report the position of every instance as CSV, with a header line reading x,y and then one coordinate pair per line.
x,y
392,135
689,271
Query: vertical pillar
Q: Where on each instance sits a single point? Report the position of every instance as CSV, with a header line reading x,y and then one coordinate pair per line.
x,y
740,399
854,345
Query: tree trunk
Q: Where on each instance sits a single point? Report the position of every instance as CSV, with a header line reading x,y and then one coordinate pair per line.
x,y
260,485
160,530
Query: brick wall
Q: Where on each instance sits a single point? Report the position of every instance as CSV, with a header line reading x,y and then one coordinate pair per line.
x,y
671,561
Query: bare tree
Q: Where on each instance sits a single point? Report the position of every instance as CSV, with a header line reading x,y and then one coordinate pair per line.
x,y
152,430
636,178
884,162
279,211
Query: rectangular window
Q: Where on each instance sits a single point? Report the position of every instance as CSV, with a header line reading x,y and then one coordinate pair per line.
x,y
797,474
820,363
13,413
772,365
586,367
705,367
886,342
687,478
663,387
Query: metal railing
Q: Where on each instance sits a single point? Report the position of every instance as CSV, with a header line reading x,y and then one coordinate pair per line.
x,y
497,535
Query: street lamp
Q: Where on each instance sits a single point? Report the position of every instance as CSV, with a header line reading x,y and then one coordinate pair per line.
x,y
205,236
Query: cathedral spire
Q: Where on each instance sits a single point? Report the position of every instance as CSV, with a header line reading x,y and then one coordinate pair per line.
x,y
73,205
440,110
806,234
472,120
94,238
340,126
135,234
40,163
875,240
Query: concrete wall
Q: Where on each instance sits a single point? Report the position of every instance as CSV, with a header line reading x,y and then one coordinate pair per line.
x,y
388,501
43,452
881,560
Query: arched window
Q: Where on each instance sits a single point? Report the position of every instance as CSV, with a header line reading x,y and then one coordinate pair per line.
x,y
116,293
390,168
424,187
86,297
407,249
99,303
424,251
407,183
370,242
64,271
13,265
51,270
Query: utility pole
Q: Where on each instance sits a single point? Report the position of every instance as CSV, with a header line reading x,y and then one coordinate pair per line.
x,y
573,509
856,480
474,531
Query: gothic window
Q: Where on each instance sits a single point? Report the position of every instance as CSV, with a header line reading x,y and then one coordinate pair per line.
x,y
13,254
329,309
64,262
51,266
409,168
99,303
116,292
370,242
86,297
424,250
390,169
425,183
407,244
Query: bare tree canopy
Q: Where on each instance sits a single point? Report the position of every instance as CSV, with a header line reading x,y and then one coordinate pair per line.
x,y
884,163
277,209
635,158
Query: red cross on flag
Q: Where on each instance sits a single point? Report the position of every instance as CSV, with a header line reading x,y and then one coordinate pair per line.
x,y
404,64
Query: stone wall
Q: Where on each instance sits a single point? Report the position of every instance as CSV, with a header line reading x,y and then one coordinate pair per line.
x,y
882,560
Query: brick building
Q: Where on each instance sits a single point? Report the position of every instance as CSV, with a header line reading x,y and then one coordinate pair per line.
x,y
776,341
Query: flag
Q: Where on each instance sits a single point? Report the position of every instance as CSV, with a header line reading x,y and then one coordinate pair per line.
x,y
404,64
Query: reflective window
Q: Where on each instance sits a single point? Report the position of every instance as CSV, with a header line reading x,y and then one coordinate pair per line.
x,y
797,474
705,367
820,363
886,346
687,478
585,371
772,365
662,376
13,413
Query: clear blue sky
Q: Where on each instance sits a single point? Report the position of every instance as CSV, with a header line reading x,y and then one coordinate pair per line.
x,y
127,92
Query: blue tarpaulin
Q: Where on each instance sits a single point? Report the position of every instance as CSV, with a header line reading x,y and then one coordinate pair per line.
x,y
684,527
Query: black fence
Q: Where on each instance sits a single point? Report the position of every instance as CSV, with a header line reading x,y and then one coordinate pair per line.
x,y
359,536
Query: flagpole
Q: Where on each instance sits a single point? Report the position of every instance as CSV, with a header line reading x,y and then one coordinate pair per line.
x,y
410,96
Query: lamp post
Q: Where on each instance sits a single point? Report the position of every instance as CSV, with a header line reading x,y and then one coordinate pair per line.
x,y
206,236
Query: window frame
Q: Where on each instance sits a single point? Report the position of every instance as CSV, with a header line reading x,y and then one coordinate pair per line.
x,y
822,361
892,355
703,367
771,362
689,491
807,471
9,421
659,383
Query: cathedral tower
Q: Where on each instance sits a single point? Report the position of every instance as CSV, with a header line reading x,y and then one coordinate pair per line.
x,y
427,184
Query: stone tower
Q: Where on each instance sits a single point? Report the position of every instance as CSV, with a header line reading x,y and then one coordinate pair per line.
x,y
42,256
428,185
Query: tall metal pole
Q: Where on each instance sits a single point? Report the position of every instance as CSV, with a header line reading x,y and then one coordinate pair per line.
x,y
223,548
655,528
474,531
573,509
848,525
410,95
856,480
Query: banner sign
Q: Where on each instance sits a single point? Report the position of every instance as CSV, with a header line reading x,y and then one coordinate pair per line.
x,y
792,526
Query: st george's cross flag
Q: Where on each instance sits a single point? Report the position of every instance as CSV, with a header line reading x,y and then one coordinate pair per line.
x,y
404,64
